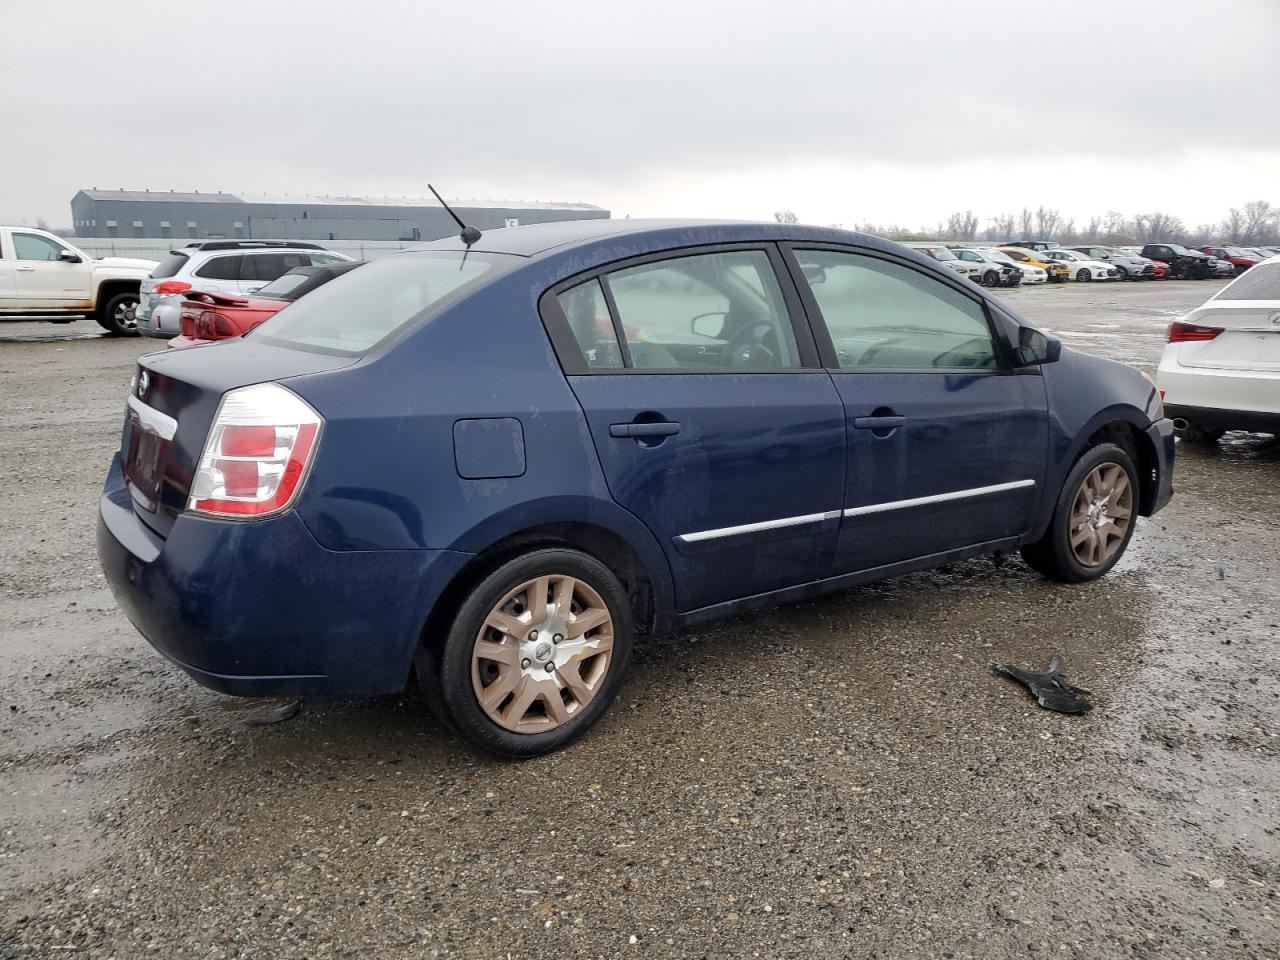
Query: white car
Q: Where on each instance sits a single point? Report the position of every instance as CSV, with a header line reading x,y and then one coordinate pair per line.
x,y
947,258
1221,367
1030,274
1082,267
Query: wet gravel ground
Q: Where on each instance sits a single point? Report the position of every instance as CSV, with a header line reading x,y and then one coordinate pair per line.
x,y
840,778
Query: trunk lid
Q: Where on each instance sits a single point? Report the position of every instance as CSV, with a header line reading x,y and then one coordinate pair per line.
x,y
1250,338
172,402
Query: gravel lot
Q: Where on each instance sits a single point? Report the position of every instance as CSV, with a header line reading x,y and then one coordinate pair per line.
x,y
841,778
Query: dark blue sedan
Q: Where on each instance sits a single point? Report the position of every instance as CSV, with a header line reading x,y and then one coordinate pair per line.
x,y
499,463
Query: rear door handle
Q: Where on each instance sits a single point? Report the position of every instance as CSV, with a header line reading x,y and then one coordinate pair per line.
x,y
663,428
878,423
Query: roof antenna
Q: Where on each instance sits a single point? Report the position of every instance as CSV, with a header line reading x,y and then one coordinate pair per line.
x,y
469,235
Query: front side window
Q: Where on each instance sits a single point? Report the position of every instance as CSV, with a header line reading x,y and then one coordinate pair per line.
x,y
884,316
269,266
715,311
587,312
32,246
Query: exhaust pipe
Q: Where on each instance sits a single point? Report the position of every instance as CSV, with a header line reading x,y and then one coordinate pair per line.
x,y
1181,423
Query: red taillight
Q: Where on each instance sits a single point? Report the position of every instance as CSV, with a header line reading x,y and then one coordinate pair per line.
x,y
257,454
1180,332
213,326
170,286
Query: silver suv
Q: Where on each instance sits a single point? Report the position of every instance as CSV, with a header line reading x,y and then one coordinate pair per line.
x,y
219,266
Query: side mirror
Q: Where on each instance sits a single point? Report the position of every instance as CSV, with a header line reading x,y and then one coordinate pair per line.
x,y
1035,347
710,325
69,256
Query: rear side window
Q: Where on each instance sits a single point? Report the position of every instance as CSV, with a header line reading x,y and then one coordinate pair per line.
x,y
716,311
353,313
587,311
269,266
221,268
170,266
1257,283
884,316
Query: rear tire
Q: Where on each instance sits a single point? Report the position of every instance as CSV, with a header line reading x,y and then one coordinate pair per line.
x,y
480,659
117,315
1106,474
1122,273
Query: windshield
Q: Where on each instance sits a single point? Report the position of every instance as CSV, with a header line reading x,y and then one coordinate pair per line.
x,y
1236,252
1178,250
358,310
938,253
1257,283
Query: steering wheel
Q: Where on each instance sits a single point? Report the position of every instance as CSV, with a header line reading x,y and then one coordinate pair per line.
x,y
747,348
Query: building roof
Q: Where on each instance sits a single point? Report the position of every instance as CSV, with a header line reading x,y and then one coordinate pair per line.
x,y
311,200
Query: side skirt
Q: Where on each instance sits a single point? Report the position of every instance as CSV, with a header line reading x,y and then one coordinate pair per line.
x,y
817,588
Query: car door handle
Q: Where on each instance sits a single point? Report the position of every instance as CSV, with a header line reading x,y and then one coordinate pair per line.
x,y
25,269
878,423
663,428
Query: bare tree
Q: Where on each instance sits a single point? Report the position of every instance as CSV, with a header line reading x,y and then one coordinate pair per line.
x,y
961,226
786,216
1048,222
1091,230
1233,225
1158,226
1258,215
1026,224
1002,226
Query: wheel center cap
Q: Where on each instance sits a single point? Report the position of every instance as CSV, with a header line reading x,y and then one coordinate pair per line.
x,y
542,652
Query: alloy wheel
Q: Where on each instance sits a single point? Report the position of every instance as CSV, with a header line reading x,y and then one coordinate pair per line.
x,y
542,654
1101,514
123,316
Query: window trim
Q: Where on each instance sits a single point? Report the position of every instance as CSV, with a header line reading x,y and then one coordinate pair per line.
x,y
574,363
1000,341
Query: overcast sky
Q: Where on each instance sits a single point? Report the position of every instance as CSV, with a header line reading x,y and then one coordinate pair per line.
x,y
846,112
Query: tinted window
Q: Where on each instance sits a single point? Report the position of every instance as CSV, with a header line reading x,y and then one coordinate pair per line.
x,y
587,311
708,312
268,266
221,268
170,266
352,313
883,316
32,246
1257,283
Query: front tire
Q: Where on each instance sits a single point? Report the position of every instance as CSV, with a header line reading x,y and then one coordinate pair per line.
x,y
1122,273
1082,275
117,315
535,654
991,278
1093,520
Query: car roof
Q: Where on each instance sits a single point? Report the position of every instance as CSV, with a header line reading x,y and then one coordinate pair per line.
x,y
541,238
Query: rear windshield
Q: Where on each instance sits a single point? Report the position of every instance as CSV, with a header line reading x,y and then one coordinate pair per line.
x,y
170,266
1257,283
281,288
353,313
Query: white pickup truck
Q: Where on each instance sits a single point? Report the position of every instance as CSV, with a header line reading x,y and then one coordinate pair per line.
x,y
43,275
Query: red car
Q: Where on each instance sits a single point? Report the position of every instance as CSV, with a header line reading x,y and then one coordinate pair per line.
x,y
209,317
1242,260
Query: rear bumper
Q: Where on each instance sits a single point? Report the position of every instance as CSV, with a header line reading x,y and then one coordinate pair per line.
x,y
1215,418
261,609
163,320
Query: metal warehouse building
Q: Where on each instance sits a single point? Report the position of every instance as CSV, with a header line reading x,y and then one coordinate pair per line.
x,y
153,213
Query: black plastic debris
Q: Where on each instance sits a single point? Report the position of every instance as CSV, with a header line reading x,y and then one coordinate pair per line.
x,y
290,709
1051,689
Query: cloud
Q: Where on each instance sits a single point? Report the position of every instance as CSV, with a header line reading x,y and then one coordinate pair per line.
x,y
377,97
